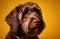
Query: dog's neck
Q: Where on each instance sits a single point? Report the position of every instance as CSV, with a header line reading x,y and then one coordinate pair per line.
x,y
25,37
18,37
21,35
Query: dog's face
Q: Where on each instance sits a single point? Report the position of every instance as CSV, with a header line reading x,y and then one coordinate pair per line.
x,y
31,23
29,16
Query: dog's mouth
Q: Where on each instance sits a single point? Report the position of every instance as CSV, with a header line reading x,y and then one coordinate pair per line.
x,y
34,32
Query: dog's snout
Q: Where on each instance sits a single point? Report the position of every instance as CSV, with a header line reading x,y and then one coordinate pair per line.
x,y
36,22
33,24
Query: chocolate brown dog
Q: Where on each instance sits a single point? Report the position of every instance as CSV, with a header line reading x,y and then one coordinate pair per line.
x,y
25,22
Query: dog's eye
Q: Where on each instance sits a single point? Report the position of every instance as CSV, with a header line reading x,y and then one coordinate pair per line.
x,y
33,18
25,17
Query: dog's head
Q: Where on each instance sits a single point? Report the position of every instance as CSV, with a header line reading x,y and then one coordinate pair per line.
x,y
28,16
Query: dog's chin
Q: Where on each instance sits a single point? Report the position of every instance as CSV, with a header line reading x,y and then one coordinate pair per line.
x,y
35,32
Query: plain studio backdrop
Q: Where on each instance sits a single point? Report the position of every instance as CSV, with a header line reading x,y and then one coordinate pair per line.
x,y
50,12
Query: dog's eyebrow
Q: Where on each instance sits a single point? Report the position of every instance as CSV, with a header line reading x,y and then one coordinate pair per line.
x,y
37,16
33,18
25,12
36,10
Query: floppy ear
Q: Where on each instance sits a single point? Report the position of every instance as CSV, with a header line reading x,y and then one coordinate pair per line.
x,y
12,20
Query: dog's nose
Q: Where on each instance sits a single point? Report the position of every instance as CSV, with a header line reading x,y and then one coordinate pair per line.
x,y
33,24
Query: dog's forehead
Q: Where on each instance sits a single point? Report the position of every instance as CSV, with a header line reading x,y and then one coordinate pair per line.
x,y
29,8
32,14
29,15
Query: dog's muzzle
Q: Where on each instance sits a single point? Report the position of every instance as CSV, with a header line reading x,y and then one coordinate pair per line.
x,y
35,27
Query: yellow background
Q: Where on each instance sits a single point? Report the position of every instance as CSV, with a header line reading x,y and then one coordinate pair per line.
x,y
50,11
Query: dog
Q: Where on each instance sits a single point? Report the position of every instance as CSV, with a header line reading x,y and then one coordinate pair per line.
x,y
25,21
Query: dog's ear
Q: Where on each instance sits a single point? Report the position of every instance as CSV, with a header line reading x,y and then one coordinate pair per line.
x,y
12,20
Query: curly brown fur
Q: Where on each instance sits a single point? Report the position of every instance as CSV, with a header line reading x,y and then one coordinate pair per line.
x,y
25,21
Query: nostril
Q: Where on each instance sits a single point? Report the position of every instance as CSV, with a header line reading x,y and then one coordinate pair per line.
x,y
36,22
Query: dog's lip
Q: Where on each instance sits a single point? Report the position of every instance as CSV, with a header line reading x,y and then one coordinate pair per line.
x,y
35,31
